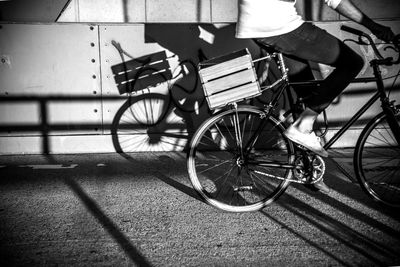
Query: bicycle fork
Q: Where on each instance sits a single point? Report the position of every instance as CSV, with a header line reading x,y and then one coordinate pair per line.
x,y
388,107
391,111
238,133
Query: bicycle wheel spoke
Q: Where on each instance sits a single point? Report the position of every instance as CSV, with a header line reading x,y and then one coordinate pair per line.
x,y
261,180
219,170
378,162
222,137
222,185
213,167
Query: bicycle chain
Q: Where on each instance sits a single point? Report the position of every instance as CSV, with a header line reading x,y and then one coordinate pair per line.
x,y
319,167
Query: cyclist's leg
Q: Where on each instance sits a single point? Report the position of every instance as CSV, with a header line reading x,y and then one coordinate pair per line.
x,y
311,43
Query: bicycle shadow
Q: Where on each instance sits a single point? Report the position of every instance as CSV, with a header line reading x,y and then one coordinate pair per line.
x,y
143,122
166,104
125,131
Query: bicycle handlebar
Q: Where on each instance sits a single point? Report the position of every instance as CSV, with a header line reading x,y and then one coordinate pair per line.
x,y
381,60
353,31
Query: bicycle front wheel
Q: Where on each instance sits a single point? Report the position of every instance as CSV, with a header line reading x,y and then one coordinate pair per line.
x,y
231,172
377,161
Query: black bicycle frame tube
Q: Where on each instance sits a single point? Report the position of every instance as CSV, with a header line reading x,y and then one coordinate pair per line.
x,y
386,106
393,124
353,119
380,94
238,134
269,110
273,164
342,130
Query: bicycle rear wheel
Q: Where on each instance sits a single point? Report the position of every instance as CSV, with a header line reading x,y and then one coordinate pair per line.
x,y
231,178
377,161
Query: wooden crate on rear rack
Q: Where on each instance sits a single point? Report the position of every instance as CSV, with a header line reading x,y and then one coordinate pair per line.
x,y
228,79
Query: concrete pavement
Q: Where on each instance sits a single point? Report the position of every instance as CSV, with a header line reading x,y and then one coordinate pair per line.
x,y
140,210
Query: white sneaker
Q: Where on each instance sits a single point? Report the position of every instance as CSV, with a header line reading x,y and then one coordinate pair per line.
x,y
309,141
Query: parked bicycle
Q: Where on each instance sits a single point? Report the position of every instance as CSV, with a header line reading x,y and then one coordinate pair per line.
x,y
239,160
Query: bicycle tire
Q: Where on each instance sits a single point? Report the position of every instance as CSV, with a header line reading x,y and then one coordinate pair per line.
x,y
214,154
135,125
377,161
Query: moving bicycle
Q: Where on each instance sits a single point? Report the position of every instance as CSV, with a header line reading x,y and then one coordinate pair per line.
x,y
241,158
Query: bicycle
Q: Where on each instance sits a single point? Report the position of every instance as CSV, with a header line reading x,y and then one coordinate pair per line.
x,y
239,160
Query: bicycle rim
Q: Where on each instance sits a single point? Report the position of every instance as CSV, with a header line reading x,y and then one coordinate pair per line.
x,y
377,159
137,123
233,182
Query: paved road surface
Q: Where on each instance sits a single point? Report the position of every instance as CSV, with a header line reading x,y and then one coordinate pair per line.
x,y
139,210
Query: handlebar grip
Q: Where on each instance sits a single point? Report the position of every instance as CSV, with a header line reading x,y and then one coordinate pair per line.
x,y
351,30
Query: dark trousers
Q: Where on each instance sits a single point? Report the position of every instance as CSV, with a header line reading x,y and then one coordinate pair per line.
x,y
310,43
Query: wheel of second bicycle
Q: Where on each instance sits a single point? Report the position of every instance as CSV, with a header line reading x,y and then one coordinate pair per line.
x,y
231,172
377,161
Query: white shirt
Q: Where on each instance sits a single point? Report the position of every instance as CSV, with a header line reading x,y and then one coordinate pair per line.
x,y
264,18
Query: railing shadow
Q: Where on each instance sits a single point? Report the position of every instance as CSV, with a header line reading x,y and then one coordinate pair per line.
x,y
123,241
287,213
68,177
360,243
317,215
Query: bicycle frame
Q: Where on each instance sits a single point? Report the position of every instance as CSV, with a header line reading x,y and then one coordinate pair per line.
x,y
380,94
235,153
285,85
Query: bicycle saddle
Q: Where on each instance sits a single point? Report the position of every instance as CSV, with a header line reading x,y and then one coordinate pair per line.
x,y
269,49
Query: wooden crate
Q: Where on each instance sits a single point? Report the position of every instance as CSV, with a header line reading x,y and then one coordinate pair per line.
x,y
229,78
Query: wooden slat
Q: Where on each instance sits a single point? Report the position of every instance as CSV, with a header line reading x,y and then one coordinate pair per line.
x,y
223,58
233,95
225,68
230,81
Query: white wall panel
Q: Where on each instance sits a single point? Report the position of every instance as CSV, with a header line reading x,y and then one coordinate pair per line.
x,y
136,74
120,45
44,67
112,11
178,11
49,59
224,11
104,11
215,11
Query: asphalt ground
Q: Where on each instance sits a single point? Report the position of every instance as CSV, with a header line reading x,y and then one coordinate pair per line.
x,y
140,210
